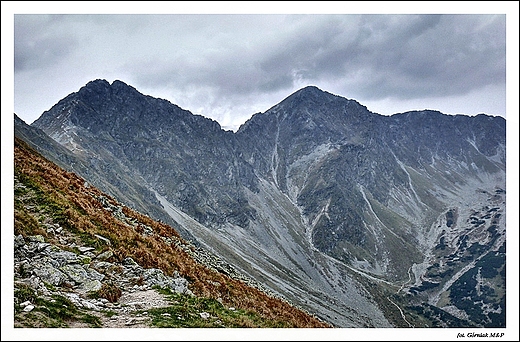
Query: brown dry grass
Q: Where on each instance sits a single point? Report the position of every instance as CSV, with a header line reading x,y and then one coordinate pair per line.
x,y
83,214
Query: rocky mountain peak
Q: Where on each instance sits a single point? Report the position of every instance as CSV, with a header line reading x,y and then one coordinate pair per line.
x,y
99,92
98,83
310,95
102,85
310,91
316,177
314,96
103,107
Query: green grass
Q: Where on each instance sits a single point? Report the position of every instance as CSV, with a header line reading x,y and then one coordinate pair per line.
x,y
47,196
54,312
185,312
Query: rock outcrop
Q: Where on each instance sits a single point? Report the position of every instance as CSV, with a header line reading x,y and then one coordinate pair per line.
x,y
316,199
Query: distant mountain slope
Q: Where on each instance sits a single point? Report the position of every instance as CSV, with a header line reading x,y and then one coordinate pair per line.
x,y
99,172
318,198
78,247
337,161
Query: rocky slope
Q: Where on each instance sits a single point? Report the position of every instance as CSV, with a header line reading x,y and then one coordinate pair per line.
x,y
81,259
355,216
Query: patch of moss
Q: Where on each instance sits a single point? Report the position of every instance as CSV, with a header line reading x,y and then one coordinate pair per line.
x,y
54,312
199,312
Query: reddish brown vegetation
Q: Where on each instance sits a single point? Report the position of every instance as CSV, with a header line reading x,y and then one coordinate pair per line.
x,y
83,213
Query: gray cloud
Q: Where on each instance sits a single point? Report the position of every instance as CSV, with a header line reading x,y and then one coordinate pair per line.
x,y
35,46
218,63
411,56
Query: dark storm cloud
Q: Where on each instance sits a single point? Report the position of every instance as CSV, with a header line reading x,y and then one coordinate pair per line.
x,y
398,56
457,55
378,56
205,61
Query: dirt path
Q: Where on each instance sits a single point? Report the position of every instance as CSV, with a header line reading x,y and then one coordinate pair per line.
x,y
126,310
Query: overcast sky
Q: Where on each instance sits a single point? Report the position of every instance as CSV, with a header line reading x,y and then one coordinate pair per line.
x,y
230,66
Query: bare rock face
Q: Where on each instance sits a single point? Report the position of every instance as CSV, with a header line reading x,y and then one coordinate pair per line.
x,y
317,198
50,274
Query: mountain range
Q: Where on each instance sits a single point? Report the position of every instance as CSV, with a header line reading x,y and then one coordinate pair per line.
x,y
362,219
84,260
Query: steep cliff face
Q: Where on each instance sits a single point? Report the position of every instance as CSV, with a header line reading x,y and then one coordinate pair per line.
x,y
317,198
186,157
364,182
84,260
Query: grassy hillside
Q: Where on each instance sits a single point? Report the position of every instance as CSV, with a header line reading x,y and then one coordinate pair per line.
x,y
47,196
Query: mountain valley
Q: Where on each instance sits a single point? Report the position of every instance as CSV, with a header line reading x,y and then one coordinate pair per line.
x,y
361,219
